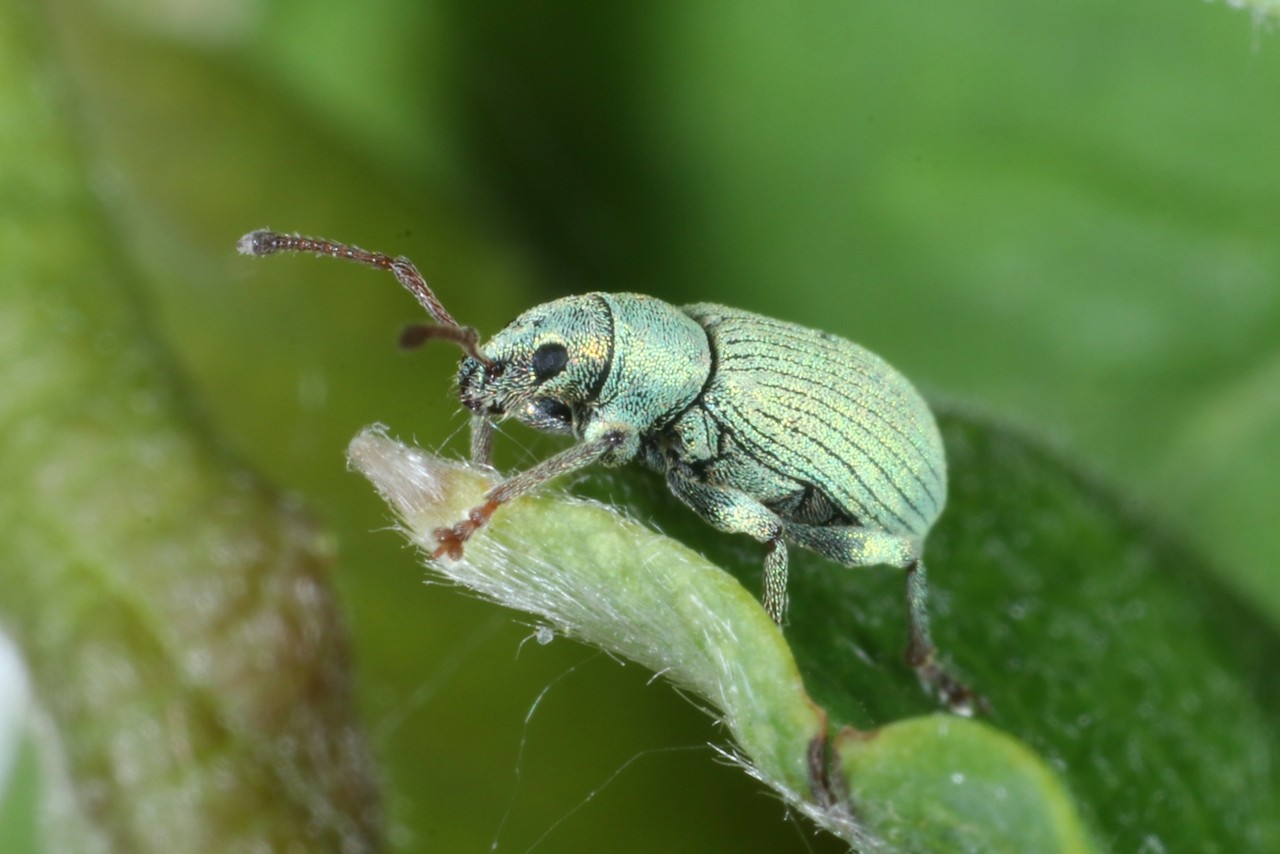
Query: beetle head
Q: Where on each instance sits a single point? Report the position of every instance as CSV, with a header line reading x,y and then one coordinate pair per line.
x,y
545,368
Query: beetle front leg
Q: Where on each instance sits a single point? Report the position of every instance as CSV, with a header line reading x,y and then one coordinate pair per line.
x,y
481,440
450,539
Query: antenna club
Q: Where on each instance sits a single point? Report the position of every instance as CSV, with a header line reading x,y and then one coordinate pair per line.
x,y
261,242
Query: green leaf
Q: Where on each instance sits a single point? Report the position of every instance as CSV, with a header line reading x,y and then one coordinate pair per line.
x,y
939,783
184,648
1094,639
606,580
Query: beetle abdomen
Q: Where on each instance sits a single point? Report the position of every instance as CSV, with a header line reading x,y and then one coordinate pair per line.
x,y
813,411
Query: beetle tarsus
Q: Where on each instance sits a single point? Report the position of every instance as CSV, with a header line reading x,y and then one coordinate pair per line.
x,y
450,542
450,539
958,698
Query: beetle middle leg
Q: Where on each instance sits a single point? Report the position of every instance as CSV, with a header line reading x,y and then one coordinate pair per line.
x,y
738,513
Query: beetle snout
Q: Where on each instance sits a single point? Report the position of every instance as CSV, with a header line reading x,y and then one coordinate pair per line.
x,y
470,379
473,387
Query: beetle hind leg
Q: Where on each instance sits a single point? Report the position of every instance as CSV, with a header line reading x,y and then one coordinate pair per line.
x,y
854,546
922,656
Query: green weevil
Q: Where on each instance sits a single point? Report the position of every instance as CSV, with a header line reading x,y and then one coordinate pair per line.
x,y
762,427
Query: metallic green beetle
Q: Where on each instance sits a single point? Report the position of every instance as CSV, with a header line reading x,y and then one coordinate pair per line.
x,y
762,427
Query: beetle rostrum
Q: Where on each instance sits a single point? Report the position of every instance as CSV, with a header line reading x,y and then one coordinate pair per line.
x,y
762,427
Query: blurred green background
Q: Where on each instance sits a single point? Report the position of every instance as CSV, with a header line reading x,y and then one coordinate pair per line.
x,y
1067,216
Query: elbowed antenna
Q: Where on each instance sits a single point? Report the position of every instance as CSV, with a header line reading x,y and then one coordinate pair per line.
x,y
267,242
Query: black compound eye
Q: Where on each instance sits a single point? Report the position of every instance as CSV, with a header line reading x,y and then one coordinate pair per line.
x,y
549,360
554,412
